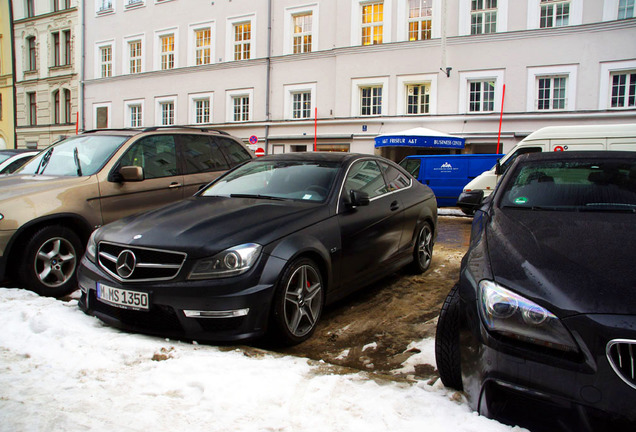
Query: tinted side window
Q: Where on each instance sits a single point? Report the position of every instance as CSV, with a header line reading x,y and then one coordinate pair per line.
x,y
14,165
365,176
201,154
394,177
155,154
233,151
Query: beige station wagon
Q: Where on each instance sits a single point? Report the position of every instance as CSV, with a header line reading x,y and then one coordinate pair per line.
x,y
49,208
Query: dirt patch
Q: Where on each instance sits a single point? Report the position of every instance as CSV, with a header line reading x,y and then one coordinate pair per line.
x,y
372,329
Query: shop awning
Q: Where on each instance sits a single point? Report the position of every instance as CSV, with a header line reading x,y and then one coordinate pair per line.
x,y
419,137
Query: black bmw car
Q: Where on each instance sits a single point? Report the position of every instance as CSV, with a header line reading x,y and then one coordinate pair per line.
x,y
540,330
260,250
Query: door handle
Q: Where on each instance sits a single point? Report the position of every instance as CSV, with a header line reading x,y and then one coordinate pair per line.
x,y
395,206
174,185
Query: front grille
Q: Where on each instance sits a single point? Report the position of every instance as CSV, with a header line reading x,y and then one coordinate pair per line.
x,y
146,264
622,356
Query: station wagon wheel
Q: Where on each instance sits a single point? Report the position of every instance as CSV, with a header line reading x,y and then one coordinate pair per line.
x,y
423,249
50,261
298,302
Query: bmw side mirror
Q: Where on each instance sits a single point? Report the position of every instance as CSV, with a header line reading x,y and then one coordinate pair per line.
x,y
130,174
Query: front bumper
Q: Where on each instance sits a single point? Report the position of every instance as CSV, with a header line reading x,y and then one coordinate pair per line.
x,y
219,310
545,391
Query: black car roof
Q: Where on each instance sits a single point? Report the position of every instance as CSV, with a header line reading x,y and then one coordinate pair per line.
x,y
576,155
17,151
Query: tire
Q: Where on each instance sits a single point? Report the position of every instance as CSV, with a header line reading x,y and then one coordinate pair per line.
x,y
50,261
298,303
447,355
423,249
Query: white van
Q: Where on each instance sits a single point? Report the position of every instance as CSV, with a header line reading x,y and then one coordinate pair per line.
x,y
556,138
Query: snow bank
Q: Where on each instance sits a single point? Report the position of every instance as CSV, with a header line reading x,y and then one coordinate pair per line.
x,y
62,370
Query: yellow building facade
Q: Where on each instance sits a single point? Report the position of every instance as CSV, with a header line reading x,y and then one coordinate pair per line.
x,y
7,117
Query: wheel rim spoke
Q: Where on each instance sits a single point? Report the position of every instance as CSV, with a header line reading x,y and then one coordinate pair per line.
x,y
303,301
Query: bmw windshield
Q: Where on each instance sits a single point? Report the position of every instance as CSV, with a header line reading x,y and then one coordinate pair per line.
x,y
293,180
575,185
82,155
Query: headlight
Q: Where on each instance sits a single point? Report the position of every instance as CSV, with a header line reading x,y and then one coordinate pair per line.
x,y
91,248
230,262
514,316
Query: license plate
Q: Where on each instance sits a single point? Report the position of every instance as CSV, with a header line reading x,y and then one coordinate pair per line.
x,y
122,298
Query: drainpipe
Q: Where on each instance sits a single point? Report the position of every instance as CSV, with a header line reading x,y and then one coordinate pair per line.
x,y
269,73
13,77
80,101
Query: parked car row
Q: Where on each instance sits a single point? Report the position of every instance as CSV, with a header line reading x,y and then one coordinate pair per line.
x,y
180,232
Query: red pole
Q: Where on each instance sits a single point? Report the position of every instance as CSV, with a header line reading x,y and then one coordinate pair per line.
x,y
501,118
316,129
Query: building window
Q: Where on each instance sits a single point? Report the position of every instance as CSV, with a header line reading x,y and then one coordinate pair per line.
x,y
554,13
420,19
203,44
626,9
59,5
32,53
242,40
104,6
418,99
135,115
241,105
483,16
56,107
551,93
201,111
33,109
372,23
481,96
56,49
30,8
102,116
167,51
167,113
134,56
302,38
106,61
133,3
623,89
67,106
371,101
301,105
67,47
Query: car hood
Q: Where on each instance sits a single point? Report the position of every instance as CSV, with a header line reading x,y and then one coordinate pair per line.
x,y
15,185
203,226
569,262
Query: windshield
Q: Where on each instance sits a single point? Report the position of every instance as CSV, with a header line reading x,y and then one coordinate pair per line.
x,y
295,180
75,156
599,185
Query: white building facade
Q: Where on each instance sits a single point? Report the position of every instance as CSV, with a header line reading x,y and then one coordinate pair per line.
x,y
294,74
47,49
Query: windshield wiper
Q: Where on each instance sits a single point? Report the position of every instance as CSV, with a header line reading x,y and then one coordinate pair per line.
x,y
610,207
257,196
77,162
46,157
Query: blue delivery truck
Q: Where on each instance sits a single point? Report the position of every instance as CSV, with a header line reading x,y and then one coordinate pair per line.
x,y
448,174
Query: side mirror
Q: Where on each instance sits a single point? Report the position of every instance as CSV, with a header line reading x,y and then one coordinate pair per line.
x,y
131,173
358,199
498,167
470,201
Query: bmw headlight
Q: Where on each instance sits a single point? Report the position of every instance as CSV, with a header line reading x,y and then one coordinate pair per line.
x,y
230,262
512,315
91,248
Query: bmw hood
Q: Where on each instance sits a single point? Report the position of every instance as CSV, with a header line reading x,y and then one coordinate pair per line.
x,y
203,226
16,185
571,263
